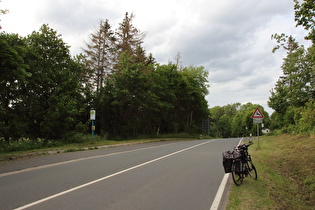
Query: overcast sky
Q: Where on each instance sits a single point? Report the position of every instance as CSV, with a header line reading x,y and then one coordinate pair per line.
x,y
230,38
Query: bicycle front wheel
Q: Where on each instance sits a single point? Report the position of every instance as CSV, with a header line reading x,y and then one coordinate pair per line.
x,y
252,170
236,173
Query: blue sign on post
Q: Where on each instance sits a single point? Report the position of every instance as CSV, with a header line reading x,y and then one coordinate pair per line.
x,y
92,118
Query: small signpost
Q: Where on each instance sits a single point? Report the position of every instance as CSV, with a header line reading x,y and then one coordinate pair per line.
x,y
92,118
258,120
258,117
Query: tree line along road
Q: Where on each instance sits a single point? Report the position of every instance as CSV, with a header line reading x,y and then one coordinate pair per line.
x,y
161,175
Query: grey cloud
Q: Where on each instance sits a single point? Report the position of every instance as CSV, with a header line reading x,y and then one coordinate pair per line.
x,y
231,38
74,16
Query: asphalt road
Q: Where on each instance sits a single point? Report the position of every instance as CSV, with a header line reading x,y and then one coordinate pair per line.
x,y
163,175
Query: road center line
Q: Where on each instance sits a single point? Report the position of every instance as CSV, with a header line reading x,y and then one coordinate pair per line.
x,y
72,161
109,176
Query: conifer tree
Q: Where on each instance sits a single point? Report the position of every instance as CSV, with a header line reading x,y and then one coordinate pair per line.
x,y
129,40
100,54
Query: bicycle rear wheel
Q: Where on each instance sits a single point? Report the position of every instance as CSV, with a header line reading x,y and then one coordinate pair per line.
x,y
252,170
236,173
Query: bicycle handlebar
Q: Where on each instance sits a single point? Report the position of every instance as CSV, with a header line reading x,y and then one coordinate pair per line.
x,y
245,146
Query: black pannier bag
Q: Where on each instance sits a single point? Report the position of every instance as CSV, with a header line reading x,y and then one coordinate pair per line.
x,y
228,158
227,161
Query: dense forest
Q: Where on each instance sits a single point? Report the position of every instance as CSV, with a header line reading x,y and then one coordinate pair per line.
x,y
234,120
45,93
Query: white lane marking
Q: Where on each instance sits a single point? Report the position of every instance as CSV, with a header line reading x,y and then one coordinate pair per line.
x,y
107,177
241,141
218,197
217,200
72,161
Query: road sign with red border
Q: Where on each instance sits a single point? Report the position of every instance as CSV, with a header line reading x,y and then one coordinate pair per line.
x,y
258,114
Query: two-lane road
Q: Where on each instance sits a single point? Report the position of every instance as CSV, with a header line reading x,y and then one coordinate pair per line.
x,y
163,175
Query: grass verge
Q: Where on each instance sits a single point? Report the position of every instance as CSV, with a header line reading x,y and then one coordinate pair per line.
x,y
27,148
286,179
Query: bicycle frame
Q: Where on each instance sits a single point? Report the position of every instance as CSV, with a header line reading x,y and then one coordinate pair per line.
x,y
243,166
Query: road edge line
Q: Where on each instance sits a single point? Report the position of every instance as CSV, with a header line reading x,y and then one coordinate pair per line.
x,y
218,197
217,200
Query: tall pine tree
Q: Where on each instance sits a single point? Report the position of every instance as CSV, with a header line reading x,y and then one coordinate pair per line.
x,y
100,55
129,41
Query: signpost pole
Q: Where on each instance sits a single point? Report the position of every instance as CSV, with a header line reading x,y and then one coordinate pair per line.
x,y
93,128
258,135
92,118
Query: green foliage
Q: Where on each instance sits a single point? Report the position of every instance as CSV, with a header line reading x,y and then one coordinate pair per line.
x,y
294,94
305,118
13,73
25,144
40,86
53,91
46,94
295,87
147,100
304,16
224,126
234,120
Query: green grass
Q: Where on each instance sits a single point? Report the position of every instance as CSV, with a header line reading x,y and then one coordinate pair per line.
x,y
286,179
25,147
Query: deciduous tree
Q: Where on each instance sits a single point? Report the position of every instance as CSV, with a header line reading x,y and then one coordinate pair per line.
x,y
52,93
304,16
13,73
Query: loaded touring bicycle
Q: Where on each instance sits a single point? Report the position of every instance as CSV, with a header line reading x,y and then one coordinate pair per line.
x,y
239,163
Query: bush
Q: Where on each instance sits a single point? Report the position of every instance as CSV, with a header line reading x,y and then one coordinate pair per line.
x,y
306,123
297,120
24,144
